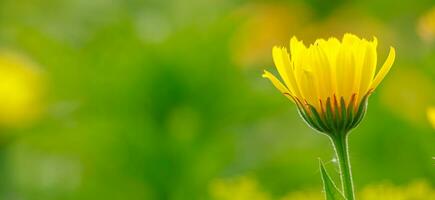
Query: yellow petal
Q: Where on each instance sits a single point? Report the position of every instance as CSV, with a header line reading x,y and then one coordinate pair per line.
x,y
350,39
385,68
297,51
285,69
309,89
293,85
331,48
359,50
345,68
294,46
277,84
368,69
280,65
375,42
298,58
322,68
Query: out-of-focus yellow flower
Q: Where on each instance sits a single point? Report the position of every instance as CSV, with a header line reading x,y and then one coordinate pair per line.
x,y
240,188
431,116
330,80
426,26
21,89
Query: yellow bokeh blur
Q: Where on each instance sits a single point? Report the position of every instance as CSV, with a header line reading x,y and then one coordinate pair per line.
x,y
266,25
21,90
417,190
239,188
426,26
245,187
431,116
407,93
304,195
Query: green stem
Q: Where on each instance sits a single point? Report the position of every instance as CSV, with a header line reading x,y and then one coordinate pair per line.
x,y
341,149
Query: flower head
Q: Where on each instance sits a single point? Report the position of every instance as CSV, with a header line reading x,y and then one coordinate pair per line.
x,y
330,80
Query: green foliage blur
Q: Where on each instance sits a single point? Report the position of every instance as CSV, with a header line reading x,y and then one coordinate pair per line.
x,y
162,99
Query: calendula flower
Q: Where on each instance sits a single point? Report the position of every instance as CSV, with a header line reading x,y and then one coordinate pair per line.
x,y
330,80
431,116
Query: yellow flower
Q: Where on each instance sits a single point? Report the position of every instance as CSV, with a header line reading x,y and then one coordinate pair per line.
x,y
330,80
431,116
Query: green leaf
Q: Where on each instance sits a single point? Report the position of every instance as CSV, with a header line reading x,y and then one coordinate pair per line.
x,y
331,191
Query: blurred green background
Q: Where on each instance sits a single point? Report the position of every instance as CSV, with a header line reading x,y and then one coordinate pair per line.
x,y
129,99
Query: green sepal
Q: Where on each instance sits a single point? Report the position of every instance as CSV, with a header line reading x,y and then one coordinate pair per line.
x,y
329,116
336,117
344,116
360,115
306,118
350,115
302,112
361,111
318,120
337,120
330,189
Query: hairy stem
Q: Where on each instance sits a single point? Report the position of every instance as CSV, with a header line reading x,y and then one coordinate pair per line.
x,y
341,149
